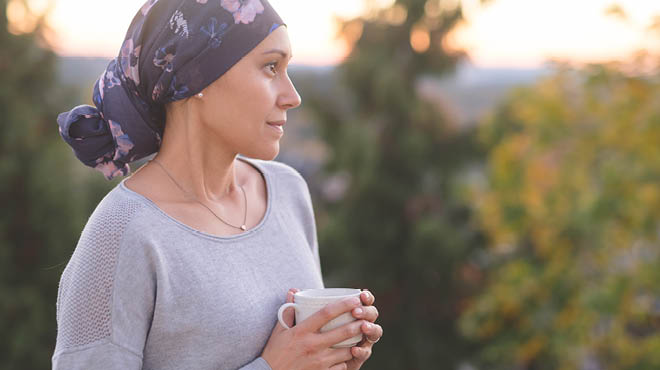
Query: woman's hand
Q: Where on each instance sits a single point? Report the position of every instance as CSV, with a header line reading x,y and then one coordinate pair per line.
x,y
303,348
372,332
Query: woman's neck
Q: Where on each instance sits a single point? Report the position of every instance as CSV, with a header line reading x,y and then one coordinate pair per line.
x,y
200,164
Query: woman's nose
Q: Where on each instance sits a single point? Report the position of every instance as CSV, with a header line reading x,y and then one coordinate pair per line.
x,y
289,97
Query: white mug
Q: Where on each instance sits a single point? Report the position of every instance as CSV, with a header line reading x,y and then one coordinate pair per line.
x,y
309,301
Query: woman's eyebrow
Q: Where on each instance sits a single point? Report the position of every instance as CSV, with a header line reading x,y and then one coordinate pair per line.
x,y
283,53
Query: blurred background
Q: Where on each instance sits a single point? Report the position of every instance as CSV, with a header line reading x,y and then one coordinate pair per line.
x,y
489,169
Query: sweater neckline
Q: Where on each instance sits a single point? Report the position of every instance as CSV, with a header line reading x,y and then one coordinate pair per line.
x,y
255,229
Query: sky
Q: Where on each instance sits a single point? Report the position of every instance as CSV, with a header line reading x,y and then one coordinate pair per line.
x,y
529,32
503,33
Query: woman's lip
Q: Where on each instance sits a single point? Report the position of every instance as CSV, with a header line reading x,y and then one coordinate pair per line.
x,y
278,123
279,128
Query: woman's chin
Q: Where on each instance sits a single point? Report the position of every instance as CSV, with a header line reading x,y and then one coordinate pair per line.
x,y
266,154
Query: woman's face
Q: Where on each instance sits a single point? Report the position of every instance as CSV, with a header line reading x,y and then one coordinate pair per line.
x,y
236,109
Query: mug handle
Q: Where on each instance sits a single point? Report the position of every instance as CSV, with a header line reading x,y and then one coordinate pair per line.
x,y
281,311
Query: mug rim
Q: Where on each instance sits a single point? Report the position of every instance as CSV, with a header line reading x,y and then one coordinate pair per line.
x,y
347,292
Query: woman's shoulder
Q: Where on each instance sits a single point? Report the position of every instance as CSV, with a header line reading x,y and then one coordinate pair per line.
x,y
118,204
112,216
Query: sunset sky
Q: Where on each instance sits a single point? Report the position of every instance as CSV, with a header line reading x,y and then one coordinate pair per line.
x,y
512,33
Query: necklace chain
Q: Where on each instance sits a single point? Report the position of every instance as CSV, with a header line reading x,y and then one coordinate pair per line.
x,y
193,197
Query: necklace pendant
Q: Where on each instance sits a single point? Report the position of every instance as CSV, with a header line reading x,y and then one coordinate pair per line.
x,y
243,227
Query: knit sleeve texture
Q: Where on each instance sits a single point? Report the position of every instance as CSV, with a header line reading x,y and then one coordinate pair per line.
x,y
106,295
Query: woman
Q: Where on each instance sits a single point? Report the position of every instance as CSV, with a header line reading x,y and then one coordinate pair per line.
x,y
184,264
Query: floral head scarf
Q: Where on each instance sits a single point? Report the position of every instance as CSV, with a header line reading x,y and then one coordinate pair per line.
x,y
173,49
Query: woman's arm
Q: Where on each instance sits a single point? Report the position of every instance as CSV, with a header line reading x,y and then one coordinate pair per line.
x,y
106,296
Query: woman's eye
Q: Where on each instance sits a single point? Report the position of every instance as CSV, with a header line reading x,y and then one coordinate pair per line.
x,y
272,67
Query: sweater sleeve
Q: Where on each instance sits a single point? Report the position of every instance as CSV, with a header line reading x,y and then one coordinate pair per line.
x,y
106,295
258,364
99,356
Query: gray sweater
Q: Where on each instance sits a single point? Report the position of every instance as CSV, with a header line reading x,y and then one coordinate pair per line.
x,y
145,291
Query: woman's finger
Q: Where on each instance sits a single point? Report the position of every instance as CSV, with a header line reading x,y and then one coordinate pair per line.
x,y
369,313
372,332
327,313
362,353
289,295
342,333
338,355
367,298
341,366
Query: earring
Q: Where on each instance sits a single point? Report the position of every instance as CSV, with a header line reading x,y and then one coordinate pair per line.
x,y
200,95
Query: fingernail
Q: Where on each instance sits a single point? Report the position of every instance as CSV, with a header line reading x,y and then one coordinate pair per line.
x,y
365,295
358,311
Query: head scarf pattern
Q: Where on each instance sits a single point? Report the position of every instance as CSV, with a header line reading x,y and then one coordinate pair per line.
x,y
173,49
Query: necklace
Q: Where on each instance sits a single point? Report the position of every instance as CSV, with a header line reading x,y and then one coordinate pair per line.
x,y
193,197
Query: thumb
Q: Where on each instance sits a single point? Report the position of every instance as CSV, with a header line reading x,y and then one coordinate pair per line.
x,y
289,314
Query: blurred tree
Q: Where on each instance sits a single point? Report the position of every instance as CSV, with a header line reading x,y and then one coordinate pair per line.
x,y
617,11
44,203
401,227
572,206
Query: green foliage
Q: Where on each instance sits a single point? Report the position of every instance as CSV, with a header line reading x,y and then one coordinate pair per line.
x,y
572,205
401,229
44,203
